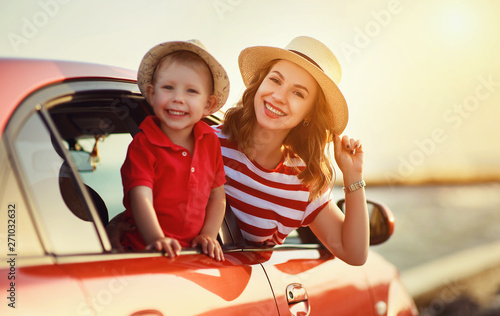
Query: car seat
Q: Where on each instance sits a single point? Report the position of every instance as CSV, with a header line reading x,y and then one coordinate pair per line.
x,y
74,201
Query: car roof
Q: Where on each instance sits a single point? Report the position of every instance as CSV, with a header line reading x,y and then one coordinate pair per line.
x,y
20,77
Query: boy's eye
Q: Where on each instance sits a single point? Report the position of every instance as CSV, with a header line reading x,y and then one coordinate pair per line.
x,y
192,91
167,87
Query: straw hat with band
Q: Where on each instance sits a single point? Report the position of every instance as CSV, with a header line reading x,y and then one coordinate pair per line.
x,y
154,55
315,58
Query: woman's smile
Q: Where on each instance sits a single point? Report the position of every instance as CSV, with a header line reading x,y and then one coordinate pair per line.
x,y
273,110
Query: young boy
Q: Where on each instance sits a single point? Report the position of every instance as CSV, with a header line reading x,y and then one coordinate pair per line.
x,y
173,175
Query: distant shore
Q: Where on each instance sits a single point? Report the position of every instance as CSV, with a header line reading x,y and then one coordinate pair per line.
x,y
446,243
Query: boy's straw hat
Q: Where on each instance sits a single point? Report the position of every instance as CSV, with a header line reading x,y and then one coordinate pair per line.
x,y
314,57
155,54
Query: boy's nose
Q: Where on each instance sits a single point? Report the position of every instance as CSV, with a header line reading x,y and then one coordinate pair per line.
x,y
178,97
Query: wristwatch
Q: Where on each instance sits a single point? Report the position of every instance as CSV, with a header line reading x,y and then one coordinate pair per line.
x,y
353,187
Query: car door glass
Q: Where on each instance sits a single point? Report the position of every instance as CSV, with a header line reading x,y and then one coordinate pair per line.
x,y
106,177
17,233
43,169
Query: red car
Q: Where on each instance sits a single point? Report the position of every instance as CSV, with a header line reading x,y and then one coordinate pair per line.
x,y
64,129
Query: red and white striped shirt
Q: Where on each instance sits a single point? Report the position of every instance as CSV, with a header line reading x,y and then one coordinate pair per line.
x,y
268,204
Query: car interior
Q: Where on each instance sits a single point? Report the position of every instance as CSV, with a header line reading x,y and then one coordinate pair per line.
x,y
96,129
84,124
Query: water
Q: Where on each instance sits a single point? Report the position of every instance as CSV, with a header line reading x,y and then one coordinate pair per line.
x,y
434,221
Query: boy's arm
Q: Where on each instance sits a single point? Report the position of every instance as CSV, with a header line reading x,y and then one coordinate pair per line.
x,y
141,200
207,238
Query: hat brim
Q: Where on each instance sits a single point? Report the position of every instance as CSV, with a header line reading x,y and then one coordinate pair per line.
x,y
252,59
155,54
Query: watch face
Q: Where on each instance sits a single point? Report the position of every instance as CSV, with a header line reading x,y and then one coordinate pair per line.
x,y
354,186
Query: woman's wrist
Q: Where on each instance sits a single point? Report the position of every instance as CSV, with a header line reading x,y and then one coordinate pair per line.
x,y
353,182
352,178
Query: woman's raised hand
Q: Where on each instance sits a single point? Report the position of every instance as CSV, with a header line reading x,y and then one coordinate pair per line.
x,y
348,154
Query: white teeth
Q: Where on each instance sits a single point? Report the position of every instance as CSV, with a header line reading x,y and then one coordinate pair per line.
x,y
275,111
176,112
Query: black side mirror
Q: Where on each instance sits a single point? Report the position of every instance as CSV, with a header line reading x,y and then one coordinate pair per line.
x,y
381,221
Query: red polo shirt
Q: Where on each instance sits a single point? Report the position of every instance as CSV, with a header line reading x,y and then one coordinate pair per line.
x,y
181,183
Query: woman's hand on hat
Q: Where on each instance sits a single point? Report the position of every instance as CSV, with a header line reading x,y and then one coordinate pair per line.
x,y
348,154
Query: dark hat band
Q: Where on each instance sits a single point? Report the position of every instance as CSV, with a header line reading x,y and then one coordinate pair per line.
x,y
306,58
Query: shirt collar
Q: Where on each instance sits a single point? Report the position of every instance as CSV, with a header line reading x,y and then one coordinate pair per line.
x,y
151,128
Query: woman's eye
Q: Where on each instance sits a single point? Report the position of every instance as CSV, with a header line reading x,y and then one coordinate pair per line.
x,y
275,80
299,94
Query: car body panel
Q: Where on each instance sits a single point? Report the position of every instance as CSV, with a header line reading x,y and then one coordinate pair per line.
x,y
332,286
157,283
386,287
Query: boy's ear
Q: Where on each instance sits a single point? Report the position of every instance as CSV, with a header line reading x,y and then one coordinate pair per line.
x,y
211,104
150,91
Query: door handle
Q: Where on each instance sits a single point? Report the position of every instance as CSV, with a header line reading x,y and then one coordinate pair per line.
x,y
298,301
295,293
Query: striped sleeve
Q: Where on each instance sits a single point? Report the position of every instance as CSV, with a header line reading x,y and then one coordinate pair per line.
x,y
315,207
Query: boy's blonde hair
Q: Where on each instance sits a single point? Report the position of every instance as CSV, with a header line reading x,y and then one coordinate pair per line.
x,y
188,59
306,142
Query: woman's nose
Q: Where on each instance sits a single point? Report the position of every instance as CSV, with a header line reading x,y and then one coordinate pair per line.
x,y
279,95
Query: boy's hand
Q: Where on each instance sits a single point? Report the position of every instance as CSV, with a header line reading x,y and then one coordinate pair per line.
x,y
116,230
169,245
209,246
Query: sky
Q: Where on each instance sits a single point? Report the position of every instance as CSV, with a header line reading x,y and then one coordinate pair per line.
x,y
421,78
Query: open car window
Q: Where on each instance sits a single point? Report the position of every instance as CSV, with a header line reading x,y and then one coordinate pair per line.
x,y
67,211
94,127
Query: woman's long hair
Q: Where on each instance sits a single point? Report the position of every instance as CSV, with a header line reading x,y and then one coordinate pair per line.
x,y
306,142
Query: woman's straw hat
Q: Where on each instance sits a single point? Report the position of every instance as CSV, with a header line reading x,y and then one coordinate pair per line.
x,y
313,56
154,55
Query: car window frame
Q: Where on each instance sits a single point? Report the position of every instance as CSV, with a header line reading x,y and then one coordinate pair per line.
x,y
37,103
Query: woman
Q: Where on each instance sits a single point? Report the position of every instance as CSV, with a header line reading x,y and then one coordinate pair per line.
x,y
273,144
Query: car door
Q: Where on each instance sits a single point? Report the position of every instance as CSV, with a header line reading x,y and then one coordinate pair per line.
x,y
80,274
32,280
308,280
26,269
190,284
